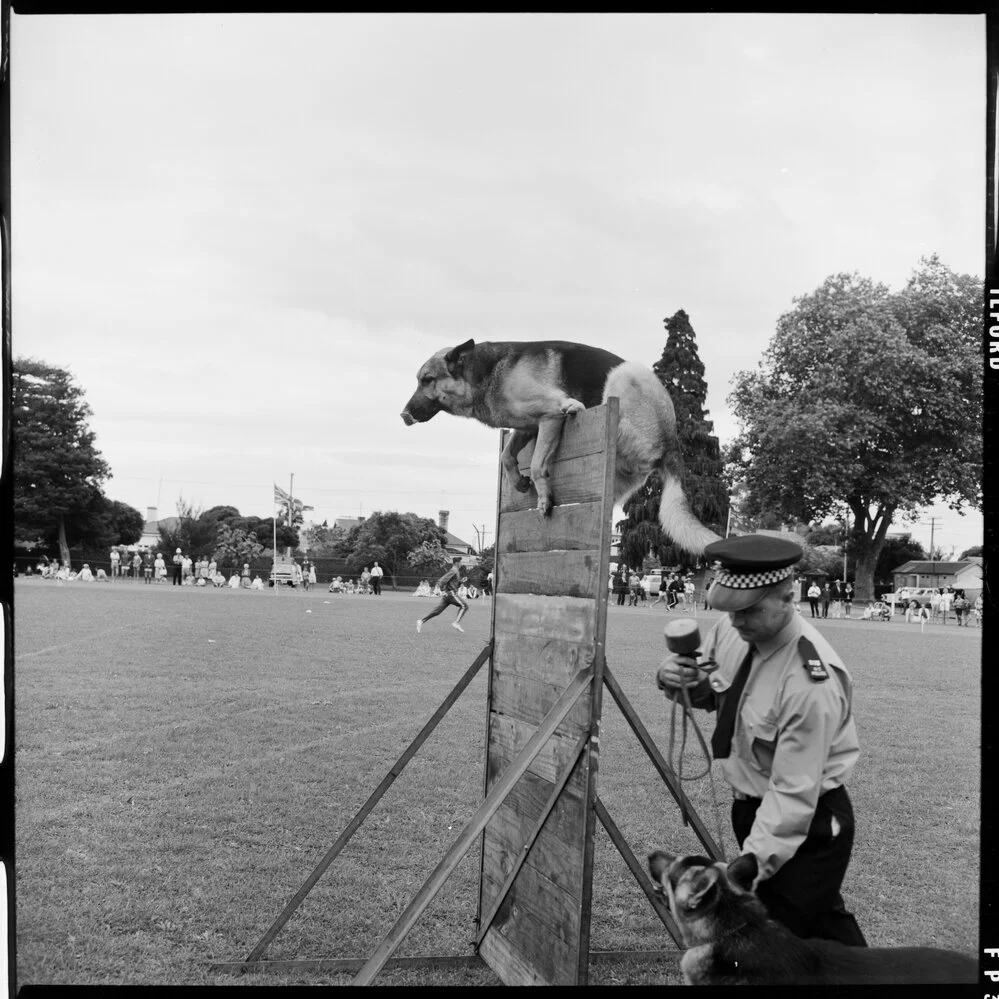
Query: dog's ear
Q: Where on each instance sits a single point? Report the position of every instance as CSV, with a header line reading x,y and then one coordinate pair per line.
x,y
743,870
454,358
700,887
658,866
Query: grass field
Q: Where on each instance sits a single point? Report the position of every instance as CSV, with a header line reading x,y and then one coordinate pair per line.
x,y
186,757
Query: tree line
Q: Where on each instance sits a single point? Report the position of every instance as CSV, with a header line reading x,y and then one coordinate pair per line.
x,y
865,406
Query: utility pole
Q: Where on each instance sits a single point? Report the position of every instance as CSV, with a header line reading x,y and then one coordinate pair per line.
x,y
480,534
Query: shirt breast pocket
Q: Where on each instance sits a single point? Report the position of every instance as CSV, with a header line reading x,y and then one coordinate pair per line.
x,y
761,734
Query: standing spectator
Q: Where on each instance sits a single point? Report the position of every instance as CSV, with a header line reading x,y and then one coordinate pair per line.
x,y
160,567
136,565
365,580
961,607
178,568
376,579
147,568
312,574
976,610
245,580
488,585
813,598
688,593
847,597
115,563
448,584
946,602
836,597
826,597
621,585
305,576
212,568
634,585
186,566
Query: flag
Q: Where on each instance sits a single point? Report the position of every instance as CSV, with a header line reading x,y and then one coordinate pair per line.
x,y
280,496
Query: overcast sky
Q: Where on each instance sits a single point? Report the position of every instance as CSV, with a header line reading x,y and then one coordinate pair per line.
x,y
243,234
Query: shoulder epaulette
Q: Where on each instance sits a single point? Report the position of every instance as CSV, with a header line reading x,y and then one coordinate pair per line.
x,y
813,664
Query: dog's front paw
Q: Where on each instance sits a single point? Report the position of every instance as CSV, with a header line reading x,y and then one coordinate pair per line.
x,y
571,406
522,484
545,504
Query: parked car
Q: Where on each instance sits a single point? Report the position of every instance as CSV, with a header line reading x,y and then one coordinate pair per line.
x,y
905,594
285,571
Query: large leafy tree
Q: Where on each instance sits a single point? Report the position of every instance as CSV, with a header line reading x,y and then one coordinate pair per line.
x,y
233,546
323,540
866,400
58,470
680,369
388,538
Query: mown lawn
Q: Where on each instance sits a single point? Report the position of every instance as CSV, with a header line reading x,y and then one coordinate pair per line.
x,y
186,757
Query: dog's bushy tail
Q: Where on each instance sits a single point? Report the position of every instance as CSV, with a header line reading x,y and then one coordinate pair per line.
x,y
676,517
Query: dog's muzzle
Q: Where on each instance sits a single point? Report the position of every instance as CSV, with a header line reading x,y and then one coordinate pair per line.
x,y
407,417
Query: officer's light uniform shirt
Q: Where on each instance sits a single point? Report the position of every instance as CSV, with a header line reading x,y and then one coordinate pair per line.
x,y
794,739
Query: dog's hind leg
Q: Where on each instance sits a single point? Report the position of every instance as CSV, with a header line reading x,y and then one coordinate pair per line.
x,y
516,443
549,435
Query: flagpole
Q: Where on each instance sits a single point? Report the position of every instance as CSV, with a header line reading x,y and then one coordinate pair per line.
x,y
274,582
291,502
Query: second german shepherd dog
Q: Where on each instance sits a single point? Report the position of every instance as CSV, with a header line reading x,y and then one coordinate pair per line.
x,y
733,941
531,388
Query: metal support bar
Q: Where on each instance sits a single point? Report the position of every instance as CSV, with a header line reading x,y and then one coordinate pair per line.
x,y
476,824
658,903
557,790
366,808
665,770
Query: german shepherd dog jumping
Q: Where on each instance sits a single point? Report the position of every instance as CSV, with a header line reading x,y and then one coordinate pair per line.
x,y
733,941
532,387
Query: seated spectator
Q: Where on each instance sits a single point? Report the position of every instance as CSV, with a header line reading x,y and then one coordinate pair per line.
x,y
257,584
85,574
102,576
234,581
423,590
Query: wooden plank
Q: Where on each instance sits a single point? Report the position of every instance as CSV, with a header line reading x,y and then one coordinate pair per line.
x,y
527,800
558,849
609,437
572,526
529,700
507,960
507,735
574,480
568,618
537,923
549,660
578,574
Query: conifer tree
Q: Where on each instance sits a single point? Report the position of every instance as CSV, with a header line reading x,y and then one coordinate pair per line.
x,y
680,369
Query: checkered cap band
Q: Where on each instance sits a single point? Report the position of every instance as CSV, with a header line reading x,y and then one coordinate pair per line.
x,y
751,580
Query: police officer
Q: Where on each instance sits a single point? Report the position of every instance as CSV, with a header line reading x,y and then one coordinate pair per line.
x,y
784,735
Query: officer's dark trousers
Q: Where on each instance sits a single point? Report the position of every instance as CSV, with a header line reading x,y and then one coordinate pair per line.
x,y
804,893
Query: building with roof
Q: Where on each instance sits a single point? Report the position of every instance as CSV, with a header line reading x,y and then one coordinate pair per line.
x,y
150,537
964,575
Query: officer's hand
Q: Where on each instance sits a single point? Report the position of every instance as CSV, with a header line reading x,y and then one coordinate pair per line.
x,y
677,671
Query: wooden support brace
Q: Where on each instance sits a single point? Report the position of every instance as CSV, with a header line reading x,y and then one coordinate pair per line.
x,y
257,953
476,824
